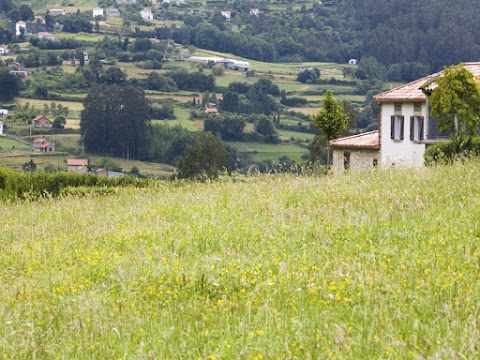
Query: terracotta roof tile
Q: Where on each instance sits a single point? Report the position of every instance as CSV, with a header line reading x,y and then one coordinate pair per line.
x,y
77,162
368,140
412,91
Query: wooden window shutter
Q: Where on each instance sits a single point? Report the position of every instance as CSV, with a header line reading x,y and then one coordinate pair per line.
x,y
412,128
422,120
392,127
402,126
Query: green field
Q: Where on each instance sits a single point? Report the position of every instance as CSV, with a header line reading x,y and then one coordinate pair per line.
x,y
7,143
260,151
374,265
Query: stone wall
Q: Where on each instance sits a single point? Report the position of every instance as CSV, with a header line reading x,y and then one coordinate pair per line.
x,y
359,159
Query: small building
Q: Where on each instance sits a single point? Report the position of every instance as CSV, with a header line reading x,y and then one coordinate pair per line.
x,y
108,173
227,15
39,19
98,11
1,127
356,152
56,12
255,12
3,50
211,108
43,145
77,165
22,73
43,35
113,12
146,14
353,62
19,25
3,113
41,121
181,2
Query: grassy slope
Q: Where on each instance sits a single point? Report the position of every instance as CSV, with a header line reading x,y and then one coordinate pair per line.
x,y
374,265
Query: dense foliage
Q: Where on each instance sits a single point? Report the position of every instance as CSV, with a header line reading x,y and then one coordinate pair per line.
x,y
30,185
115,121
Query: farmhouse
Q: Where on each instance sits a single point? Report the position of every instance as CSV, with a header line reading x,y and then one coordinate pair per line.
x,y
41,121
3,50
43,145
3,112
405,130
98,11
77,165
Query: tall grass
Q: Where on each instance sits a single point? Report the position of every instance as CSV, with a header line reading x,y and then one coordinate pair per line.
x,y
381,264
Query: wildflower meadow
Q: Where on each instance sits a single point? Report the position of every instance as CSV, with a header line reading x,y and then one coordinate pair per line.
x,y
381,264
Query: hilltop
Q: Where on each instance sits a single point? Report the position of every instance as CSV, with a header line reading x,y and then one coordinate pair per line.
x,y
369,265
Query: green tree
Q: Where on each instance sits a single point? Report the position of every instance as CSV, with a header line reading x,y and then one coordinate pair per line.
x,y
29,166
331,120
9,85
265,127
59,122
203,160
455,101
218,70
115,121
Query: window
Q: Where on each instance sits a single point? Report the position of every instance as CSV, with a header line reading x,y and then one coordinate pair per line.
x,y
397,127
375,163
416,128
346,160
398,107
417,107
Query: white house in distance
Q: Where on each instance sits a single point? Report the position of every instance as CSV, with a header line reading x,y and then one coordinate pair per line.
x,y
98,11
227,14
3,50
405,130
19,25
1,128
56,12
146,14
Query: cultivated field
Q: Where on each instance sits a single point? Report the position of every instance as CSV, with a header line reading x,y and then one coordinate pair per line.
x,y
383,264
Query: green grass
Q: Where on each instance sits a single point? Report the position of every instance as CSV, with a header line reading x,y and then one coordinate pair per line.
x,y
373,265
8,143
286,134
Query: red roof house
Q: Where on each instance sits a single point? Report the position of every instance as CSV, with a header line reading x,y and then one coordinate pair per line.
x,y
43,145
41,121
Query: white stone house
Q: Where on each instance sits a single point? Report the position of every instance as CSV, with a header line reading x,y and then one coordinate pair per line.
x,y
1,127
3,50
98,11
146,14
352,62
405,129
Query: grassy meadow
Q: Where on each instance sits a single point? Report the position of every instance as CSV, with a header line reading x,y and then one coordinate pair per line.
x,y
380,264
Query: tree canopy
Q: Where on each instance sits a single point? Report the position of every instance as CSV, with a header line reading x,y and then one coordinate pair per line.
x,y
115,121
9,85
455,101
203,160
